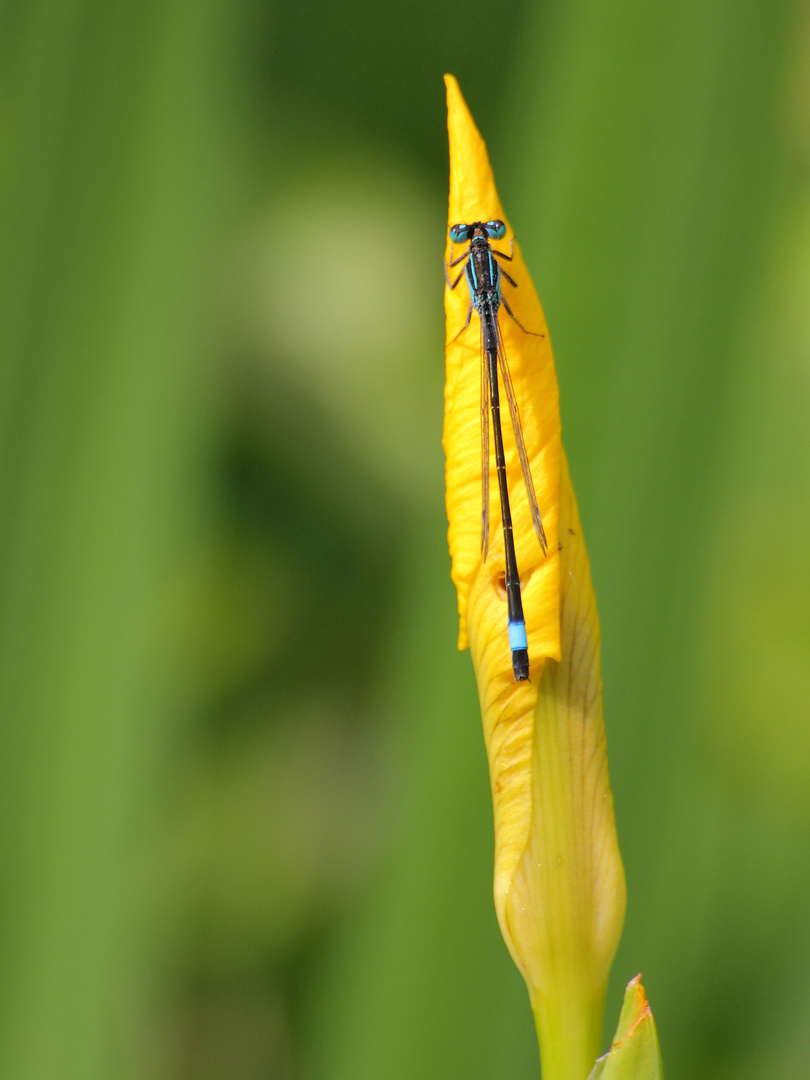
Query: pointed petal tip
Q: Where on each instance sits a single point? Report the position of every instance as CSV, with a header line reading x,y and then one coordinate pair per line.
x,y
636,987
454,95
473,196
459,118
457,108
635,1008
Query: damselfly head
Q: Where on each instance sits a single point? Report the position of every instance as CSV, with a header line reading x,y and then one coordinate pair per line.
x,y
463,234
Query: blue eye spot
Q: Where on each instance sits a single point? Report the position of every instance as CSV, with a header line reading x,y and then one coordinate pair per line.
x,y
458,234
496,230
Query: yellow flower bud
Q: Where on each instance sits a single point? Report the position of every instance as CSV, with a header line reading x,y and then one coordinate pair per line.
x,y
559,884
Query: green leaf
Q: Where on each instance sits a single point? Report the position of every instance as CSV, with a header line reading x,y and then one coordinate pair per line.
x,y
635,1054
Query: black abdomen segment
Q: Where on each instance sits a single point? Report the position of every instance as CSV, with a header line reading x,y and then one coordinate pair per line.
x,y
516,625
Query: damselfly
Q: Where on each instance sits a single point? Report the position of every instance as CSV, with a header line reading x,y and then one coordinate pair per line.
x,y
483,273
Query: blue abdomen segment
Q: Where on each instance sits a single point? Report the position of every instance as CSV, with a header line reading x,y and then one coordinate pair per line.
x,y
517,636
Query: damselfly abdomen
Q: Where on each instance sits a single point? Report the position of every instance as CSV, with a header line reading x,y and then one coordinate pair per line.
x,y
483,273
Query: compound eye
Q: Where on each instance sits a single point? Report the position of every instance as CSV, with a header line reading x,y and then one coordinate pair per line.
x,y
496,230
458,234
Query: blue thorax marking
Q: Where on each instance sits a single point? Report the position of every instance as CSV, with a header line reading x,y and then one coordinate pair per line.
x,y
493,273
471,279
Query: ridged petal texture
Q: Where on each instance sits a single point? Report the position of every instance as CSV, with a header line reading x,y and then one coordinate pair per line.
x,y
559,883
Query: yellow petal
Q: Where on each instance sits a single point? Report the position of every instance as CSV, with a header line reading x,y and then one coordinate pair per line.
x,y
559,884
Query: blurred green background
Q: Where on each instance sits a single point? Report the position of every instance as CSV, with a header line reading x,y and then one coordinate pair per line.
x,y
244,820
